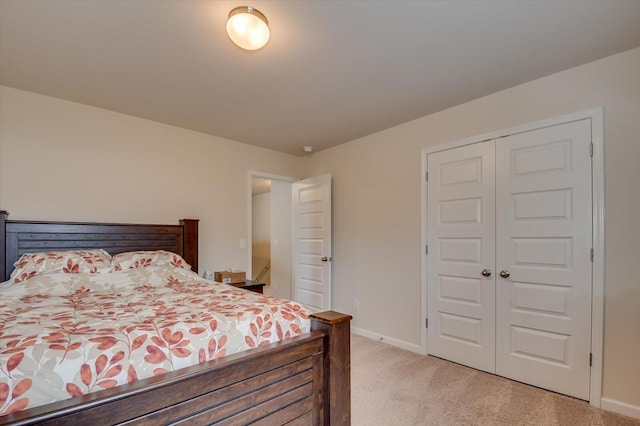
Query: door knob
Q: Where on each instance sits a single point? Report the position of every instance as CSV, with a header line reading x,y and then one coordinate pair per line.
x,y
486,273
325,259
504,274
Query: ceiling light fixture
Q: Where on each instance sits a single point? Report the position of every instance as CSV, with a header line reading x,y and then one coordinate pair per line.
x,y
308,149
248,28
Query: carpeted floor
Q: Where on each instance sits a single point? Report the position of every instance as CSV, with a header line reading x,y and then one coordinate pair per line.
x,y
391,386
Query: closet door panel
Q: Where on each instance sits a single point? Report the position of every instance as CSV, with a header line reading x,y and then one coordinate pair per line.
x,y
461,228
543,240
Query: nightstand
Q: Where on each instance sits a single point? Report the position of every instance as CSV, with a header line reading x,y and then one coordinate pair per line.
x,y
254,286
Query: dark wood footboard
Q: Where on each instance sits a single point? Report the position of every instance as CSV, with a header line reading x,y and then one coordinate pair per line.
x,y
299,381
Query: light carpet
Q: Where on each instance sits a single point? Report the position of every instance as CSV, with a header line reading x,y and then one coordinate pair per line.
x,y
391,386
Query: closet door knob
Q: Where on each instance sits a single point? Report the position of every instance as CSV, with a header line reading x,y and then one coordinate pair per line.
x,y
326,259
486,273
504,274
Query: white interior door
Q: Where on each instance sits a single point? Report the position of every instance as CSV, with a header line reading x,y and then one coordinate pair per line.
x,y
312,242
461,244
544,243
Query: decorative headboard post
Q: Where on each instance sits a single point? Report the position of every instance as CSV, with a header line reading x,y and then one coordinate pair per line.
x,y
3,243
190,242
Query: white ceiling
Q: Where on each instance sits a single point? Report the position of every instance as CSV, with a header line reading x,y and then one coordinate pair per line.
x,y
333,71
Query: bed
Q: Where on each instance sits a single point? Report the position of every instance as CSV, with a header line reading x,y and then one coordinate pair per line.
x,y
299,380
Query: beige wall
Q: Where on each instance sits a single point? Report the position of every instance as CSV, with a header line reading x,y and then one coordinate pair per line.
x,y
61,160
377,246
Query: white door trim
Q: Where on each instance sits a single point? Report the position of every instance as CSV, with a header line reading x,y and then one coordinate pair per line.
x,y
251,174
598,231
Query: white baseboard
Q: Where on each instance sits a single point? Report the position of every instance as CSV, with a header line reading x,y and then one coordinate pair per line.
x,y
620,407
388,340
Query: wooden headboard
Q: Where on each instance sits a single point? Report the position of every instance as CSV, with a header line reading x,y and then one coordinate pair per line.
x,y
18,237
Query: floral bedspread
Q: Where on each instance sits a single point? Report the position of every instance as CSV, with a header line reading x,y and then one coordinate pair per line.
x,y
64,335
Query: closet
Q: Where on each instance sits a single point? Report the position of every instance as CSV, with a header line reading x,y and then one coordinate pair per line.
x,y
509,264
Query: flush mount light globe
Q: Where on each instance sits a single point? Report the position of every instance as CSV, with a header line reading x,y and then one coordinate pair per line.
x,y
248,28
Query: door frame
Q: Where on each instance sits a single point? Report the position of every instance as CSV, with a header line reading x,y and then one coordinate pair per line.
x,y
250,175
596,115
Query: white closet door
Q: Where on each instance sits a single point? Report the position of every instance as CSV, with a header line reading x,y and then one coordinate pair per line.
x,y
543,241
461,228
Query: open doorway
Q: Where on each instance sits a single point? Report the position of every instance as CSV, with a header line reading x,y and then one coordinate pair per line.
x,y
270,233
261,231
293,245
